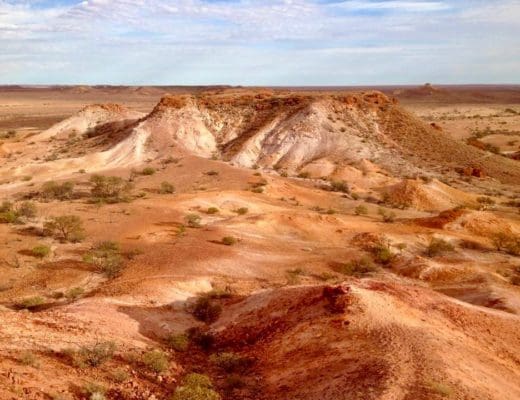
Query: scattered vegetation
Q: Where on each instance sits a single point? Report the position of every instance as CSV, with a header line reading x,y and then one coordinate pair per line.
x,y
28,358
148,171
196,387
507,242
91,356
11,214
340,186
30,303
67,228
94,391
241,211
55,191
206,310
229,240
41,251
437,247
231,362
357,267
193,220
107,257
212,210
388,216
178,342
156,361
361,210
166,188
110,189
440,389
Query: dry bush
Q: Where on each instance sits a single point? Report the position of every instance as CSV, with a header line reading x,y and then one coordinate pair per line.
x,y
178,342
156,361
196,387
231,362
110,189
54,191
360,266
507,242
206,310
107,257
91,356
67,228
438,246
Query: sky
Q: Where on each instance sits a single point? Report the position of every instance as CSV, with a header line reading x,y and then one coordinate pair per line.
x,y
259,42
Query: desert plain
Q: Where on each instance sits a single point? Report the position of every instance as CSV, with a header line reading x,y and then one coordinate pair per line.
x,y
260,243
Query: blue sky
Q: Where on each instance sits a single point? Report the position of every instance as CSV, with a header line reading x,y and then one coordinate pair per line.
x,y
253,42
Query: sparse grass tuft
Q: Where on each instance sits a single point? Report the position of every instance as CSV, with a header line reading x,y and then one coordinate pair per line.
x,y
196,387
41,251
166,188
357,267
437,247
178,342
361,210
193,220
156,361
231,362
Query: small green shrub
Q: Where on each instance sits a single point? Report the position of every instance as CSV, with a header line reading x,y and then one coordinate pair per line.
x,y
107,257
388,216
206,310
31,303
361,210
178,342
166,188
438,246
148,171
9,217
120,375
196,387
111,189
360,266
241,211
41,251
212,173
74,293
304,175
54,191
229,240
339,186
94,391
91,356
28,358
202,338
212,210
68,228
193,220
27,209
507,242
231,362
156,361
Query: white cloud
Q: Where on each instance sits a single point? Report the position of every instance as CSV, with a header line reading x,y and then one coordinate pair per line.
x,y
260,42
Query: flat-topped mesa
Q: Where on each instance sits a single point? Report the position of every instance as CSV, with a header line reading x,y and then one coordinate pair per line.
x,y
113,108
268,100
171,101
